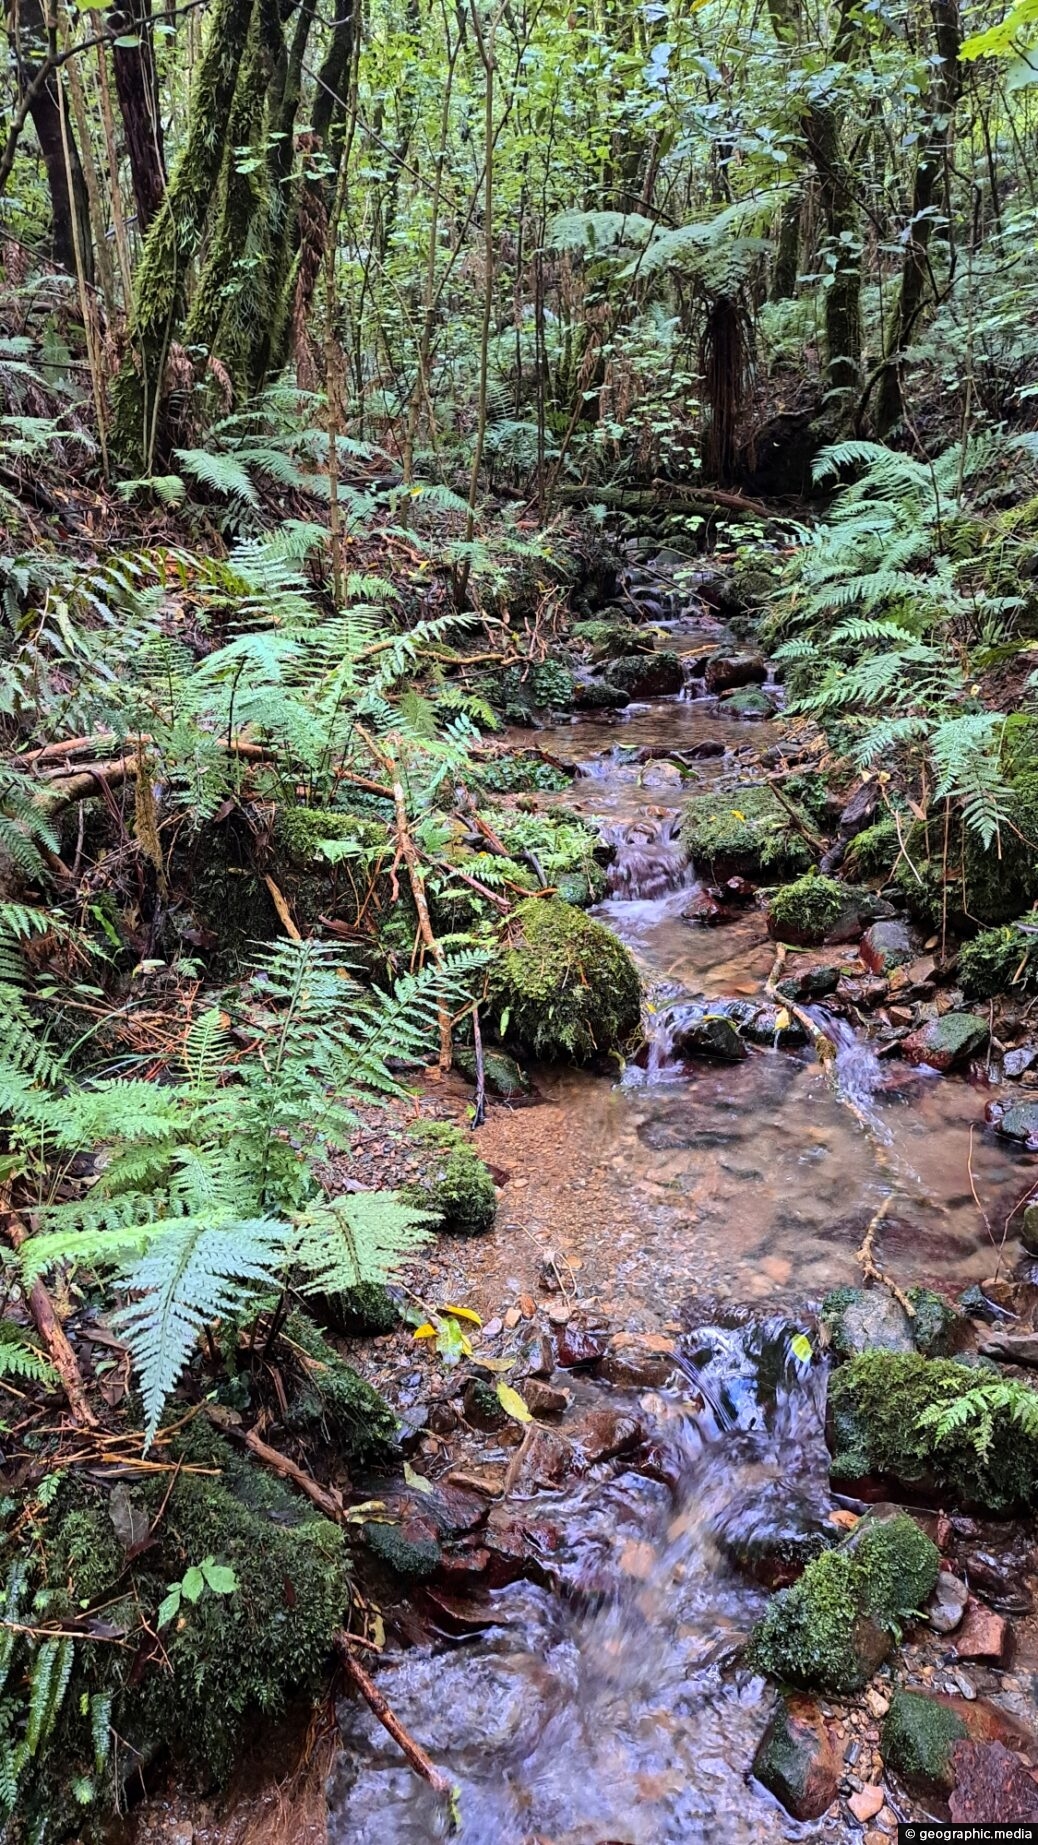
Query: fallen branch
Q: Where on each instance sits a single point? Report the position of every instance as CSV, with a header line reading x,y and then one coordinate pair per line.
x,y
813,839
51,1331
824,1046
870,1267
224,1420
414,1752
284,913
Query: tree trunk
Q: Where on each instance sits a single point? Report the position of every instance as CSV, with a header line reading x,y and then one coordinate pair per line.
x,y
787,250
931,166
70,207
136,85
160,289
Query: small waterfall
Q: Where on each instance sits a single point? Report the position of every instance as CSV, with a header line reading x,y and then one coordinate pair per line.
x,y
859,1072
649,860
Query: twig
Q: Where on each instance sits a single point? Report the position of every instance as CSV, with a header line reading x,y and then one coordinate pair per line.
x,y
284,913
824,1046
51,1331
480,1114
870,1267
223,1420
414,1752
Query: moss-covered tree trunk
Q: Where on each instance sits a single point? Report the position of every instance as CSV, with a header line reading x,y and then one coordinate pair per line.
x,y
914,289
136,84
31,42
161,285
787,249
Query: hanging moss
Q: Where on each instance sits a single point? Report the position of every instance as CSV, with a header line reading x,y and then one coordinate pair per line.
x,y
563,987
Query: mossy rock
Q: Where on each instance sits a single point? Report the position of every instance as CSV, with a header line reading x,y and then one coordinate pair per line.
x,y
917,1739
301,835
745,833
504,1077
357,1313
874,851
596,695
456,1186
873,1428
545,686
611,640
748,702
332,1401
224,1663
1001,960
834,1627
413,1558
806,911
563,986
647,675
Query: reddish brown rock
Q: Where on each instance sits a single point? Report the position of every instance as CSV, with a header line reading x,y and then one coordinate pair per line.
x,y
991,1784
544,1399
866,1803
578,1346
638,1361
983,1634
796,1760
603,1434
887,945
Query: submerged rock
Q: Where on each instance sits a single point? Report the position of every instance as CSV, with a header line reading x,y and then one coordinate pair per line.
x,y
699,1033
989,1779
563,986
796,1759
916,1743
945,1042
725,672
834,1627
1020,1123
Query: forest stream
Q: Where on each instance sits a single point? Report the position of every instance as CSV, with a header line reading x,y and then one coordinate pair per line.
x,y
704,1205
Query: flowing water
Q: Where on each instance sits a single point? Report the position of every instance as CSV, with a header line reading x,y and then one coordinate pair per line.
x,y
603,1706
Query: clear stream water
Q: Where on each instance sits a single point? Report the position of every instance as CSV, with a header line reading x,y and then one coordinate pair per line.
x,y
612,1713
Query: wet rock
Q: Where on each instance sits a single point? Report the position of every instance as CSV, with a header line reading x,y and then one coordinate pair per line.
x,y
945,1042
1015,1348
652,675
504,1077
867,993
408,1550
833,1628
749,702
703,907
698,1033
603,1434
796,1760
638,1361
659,773
579,1347
726,671
811,984
543,1399
857,1320
1020,1123
815,909
591,694
543,1461
1015,1062
999,1580
983,1634
757,1023
738,890
990,1782
937,1330
887,945
917,1740
481,1406
480,1477
866,1803
947,1604
702,752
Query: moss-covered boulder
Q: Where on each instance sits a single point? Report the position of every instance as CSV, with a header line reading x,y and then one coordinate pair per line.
x,y
874,851
749,702
357,1313
744,833
855,1320
1001,960
834,1627
504,1076
945,1042
563,987
595,695
917,1739
647,675
934,1428
455,1186
808,911
610,638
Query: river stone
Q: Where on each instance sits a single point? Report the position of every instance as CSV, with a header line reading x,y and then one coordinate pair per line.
x,y
749,702
983,1634
917,1739
858,1320
1011,1348
887,945
947,1604
796,1760
727,671
990,1782
504,1077
1014,1063
812,983
947,1041
646,675
1020,1123
761,1023
706,1034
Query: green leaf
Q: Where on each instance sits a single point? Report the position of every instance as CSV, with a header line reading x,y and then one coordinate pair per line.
x,y
169,1606
193,1583
220,1578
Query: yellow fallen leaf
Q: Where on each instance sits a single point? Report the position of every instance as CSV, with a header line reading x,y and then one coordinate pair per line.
x,y
512,1403
736,815
782,1020
462,1313
426,1331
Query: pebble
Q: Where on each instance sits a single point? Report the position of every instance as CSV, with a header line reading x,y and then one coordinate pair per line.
x,y
877,1703
866,1804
